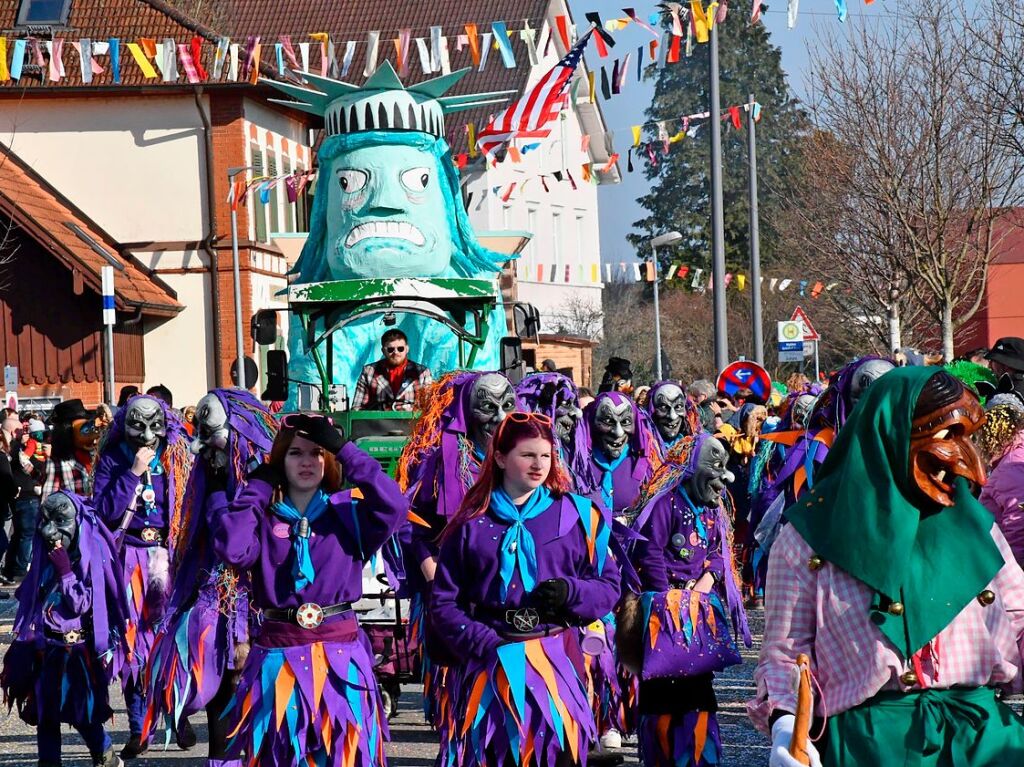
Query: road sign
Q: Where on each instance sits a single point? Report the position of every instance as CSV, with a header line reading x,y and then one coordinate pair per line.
x,y
810,334
791,330
791,346
11,377
745,375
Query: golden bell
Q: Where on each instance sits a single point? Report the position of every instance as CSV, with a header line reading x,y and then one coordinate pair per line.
x,y
909,679
896,608
815,563
986,598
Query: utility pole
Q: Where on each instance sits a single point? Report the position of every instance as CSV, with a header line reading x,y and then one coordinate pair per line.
x,y
237,284
717,222
755,241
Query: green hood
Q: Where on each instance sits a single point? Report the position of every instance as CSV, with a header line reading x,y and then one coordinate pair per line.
x,y
864,515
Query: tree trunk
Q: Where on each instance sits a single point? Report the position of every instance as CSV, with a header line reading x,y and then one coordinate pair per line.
x,y
947,329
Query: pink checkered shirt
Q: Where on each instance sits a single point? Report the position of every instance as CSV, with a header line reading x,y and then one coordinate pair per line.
x,y
826,615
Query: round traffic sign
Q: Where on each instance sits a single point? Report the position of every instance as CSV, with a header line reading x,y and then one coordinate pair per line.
x,y
745,375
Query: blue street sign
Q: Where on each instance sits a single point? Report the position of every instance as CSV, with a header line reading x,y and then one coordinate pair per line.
x,y
791,346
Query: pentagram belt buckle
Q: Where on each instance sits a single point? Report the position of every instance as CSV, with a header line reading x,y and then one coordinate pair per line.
x,y
151,535
309,615
73,637
524,620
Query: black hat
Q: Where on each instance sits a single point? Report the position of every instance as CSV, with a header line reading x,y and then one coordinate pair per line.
x,y
67,411
1009,351
617,366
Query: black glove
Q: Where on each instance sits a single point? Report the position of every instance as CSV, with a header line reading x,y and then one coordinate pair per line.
x,y
550,596
318,429
268,473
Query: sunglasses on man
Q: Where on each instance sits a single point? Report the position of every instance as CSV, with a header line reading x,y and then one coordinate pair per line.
x,y
394,349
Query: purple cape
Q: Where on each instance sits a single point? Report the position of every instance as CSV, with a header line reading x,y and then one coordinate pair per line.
x,y
98,566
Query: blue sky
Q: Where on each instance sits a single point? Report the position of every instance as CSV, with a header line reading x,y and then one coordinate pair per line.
x,y
617,202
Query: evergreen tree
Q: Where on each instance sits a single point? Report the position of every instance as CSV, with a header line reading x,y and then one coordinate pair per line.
x,y
680,196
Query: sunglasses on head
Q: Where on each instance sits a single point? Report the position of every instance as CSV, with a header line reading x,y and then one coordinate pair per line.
x,y
520,416
394,349
291,421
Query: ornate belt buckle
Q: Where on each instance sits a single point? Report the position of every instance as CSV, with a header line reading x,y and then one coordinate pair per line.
x,y
72,637
309,615
150,535
524,620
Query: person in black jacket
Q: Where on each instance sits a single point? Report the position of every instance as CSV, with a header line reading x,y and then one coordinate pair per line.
x,y
8,492
28,467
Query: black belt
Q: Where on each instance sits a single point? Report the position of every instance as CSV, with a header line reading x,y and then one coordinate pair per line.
x,y
522,621
68,637
308,615
157,535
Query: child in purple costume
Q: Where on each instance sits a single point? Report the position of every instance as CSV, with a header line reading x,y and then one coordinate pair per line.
x,y
523,565
69,631
138,491
307,690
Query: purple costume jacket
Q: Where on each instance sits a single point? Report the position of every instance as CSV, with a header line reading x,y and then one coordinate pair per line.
x,y
659,562
248,535
465,606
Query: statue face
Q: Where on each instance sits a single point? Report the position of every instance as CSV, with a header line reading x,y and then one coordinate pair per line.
x,y
613,426
802,408
567,415
941,449
211,440
386,214
144,423
58,521
711,475
669,411
866,375
491,400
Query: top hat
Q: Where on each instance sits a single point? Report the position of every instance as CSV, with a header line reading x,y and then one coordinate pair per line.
x,y
1009,351
69,410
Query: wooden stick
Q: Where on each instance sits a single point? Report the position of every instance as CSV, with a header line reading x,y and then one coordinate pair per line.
x,y
804,709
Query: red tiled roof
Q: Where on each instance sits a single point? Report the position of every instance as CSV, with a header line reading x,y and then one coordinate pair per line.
x,y
42,212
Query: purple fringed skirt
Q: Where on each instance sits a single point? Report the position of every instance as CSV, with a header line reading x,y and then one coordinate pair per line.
x,y
195,650
689,739
435,677
316,701
56,683
613,710
145,610
527,703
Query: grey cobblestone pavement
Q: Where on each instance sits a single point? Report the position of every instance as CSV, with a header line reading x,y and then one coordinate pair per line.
x,y
413,743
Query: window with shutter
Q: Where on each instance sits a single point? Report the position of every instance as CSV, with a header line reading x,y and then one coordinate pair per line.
x,y
289,207
274,194
259,213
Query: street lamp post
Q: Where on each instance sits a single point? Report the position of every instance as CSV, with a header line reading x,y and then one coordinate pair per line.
x,y
661,241
237,284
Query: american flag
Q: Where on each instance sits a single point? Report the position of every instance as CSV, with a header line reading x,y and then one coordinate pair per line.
x,y
529,116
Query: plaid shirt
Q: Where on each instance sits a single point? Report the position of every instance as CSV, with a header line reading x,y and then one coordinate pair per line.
x,y
373,391
826,615
70,474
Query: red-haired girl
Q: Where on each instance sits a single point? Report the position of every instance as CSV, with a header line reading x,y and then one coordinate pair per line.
x,y
522,565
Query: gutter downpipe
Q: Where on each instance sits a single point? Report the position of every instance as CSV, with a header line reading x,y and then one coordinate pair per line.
x,y
211,236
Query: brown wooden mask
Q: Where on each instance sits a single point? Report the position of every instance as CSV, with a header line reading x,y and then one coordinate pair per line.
x,y
941,447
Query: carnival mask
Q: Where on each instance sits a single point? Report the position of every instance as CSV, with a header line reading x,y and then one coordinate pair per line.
x,y
144,423
567,415
941,448
613,426
491,399
58,521
710,475
386,214
801,409
85,433
865,375
669,411
212,430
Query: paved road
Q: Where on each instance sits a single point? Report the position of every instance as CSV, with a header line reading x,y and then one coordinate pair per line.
x,y
413,743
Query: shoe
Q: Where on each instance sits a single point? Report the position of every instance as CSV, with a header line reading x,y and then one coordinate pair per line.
x,y
134,747
186,736
611,739
109,759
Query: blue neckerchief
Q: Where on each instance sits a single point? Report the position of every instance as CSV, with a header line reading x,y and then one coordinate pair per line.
x,y
607,470
674,442
702,531
517,545
302,569
478,453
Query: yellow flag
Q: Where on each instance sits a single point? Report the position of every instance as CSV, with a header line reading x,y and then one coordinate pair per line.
x,y
593,94
636,134
595,273
141,60
471,132
4,74
712,13
700,21
741,281
320,37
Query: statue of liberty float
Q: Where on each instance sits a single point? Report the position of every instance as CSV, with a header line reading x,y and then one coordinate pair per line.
x,y
390,246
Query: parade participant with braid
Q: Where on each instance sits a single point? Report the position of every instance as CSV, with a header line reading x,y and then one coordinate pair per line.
x,y
204,639
438,466
307,693
902,591
69,631
522,565
139,491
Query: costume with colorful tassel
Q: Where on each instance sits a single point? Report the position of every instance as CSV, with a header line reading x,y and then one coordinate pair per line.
x,y
691,739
